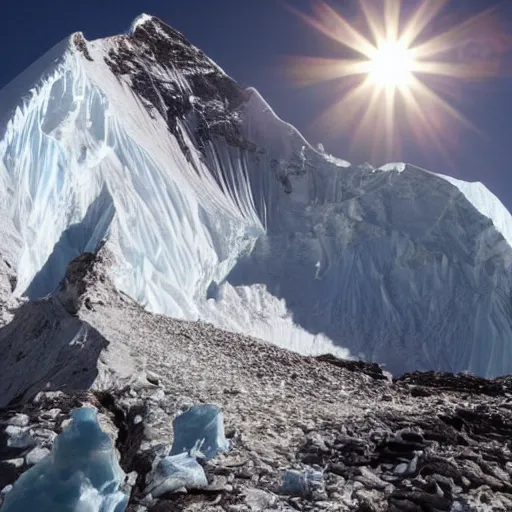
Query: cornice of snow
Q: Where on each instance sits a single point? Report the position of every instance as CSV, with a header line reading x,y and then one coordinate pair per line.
x,y
393,166
22,88
475,192
140,20
486,203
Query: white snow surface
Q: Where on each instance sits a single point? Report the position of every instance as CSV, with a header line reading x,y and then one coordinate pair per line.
x,y
393,166
486,203
478,195
279,241
140,20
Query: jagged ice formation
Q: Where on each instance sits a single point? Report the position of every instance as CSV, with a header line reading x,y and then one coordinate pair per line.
x,y
81,474
215,209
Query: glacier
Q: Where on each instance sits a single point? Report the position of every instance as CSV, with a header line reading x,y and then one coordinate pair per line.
x,y
217,210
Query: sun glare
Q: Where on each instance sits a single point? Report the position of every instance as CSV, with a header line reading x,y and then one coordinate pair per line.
x,y
392,65
404,78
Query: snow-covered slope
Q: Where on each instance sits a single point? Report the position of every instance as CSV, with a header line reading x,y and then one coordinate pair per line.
x,y
487,204
218,210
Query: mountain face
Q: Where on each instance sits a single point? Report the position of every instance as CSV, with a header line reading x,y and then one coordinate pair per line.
x,y
214,209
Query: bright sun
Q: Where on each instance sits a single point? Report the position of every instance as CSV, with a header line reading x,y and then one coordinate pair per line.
x,y
394,64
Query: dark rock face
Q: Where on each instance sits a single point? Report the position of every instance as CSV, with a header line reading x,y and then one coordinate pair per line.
x,y
461,382
81,46
418,462
73,287
371,369
155,58
46,346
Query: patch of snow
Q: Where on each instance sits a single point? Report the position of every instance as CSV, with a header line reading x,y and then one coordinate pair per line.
x,y
394,166
140,20
338,162
486,203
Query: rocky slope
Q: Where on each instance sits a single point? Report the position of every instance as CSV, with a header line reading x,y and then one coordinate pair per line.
x,y
424,442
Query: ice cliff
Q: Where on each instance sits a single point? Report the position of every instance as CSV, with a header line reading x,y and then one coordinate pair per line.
x,y
215,209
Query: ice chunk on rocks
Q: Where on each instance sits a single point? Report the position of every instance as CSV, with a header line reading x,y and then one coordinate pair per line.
x,y
81,474
200,428
302,483
172,473
19,437
19,420
36,455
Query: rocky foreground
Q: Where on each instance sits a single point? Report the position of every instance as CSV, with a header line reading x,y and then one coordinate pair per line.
x,y
423,442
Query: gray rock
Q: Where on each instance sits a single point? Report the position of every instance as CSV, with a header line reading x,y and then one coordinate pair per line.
x,y
19,420
47,396
19,437
44,435
51,414
370,479
303,483
259,500
17,463
153,378
36,455
401,469
3,492
158,396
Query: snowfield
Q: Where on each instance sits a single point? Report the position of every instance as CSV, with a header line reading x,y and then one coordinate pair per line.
x,y
217,210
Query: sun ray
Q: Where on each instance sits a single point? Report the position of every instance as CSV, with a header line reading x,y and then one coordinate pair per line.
x,y
331,24
423,15
369,115
479,70
420,89
347,108
449,40
392,19
314,70
419,117
390,118
399,70
372,19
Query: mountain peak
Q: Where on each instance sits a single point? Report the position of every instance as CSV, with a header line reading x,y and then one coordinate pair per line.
x,y
214,208
174,78
157,28
141,19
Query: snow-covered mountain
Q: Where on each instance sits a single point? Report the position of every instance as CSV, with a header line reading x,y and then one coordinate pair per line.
x,y
215,209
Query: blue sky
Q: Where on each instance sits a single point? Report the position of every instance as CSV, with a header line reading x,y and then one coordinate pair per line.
x,y
250,40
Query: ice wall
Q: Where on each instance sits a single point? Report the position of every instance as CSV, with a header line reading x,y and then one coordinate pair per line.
x,y
249,227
